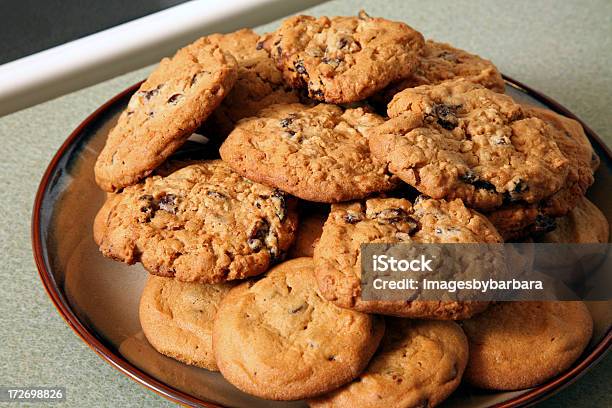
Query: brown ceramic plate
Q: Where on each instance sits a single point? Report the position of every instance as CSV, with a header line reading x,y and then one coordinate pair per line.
x,y
98,298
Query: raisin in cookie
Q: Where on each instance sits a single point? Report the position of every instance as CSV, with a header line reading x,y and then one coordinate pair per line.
x,y
442,62
337,256
517,219
585,224
343,59
419,364
167,108
202,223
317,153
259,84
278,339
177,318
517,345
460,140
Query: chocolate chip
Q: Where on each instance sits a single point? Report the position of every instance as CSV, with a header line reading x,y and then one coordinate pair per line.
x,y
299,67
342,43
286,122
173,100
279,50
168,203
259,45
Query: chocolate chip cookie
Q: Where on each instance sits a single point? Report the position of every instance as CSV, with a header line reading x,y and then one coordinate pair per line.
x,y
343,59
203,223
317,153
177,318
419,364
442,62
337,256
259,84
517,345
278,339
460,140
167,108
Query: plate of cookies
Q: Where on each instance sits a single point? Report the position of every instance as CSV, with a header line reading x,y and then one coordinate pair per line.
x,y
202,230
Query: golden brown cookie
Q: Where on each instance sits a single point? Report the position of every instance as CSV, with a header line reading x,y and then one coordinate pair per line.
x,y
419,364
337,256
317,153
202,223
517,345
460,140
442,62
259,84
515,220
177,318
309,231
343,59
585,224
167,108
571,127
278,339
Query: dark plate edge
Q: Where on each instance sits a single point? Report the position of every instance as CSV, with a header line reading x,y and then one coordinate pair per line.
x,y
121,364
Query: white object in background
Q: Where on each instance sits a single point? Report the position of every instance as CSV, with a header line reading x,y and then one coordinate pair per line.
x,y
106,54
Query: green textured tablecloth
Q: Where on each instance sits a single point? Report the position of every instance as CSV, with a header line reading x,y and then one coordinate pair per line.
x,y
559,48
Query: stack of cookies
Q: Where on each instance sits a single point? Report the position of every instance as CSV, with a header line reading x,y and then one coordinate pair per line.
x,y
324,135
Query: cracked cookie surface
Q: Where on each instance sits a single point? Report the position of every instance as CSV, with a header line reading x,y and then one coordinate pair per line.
x,y
202,223
419,364
518,345
177,318
167,108
343,59
337,256
277,338
259,83
460,140
316,153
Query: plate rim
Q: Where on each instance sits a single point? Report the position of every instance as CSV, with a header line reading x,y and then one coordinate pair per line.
x,y
121,364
